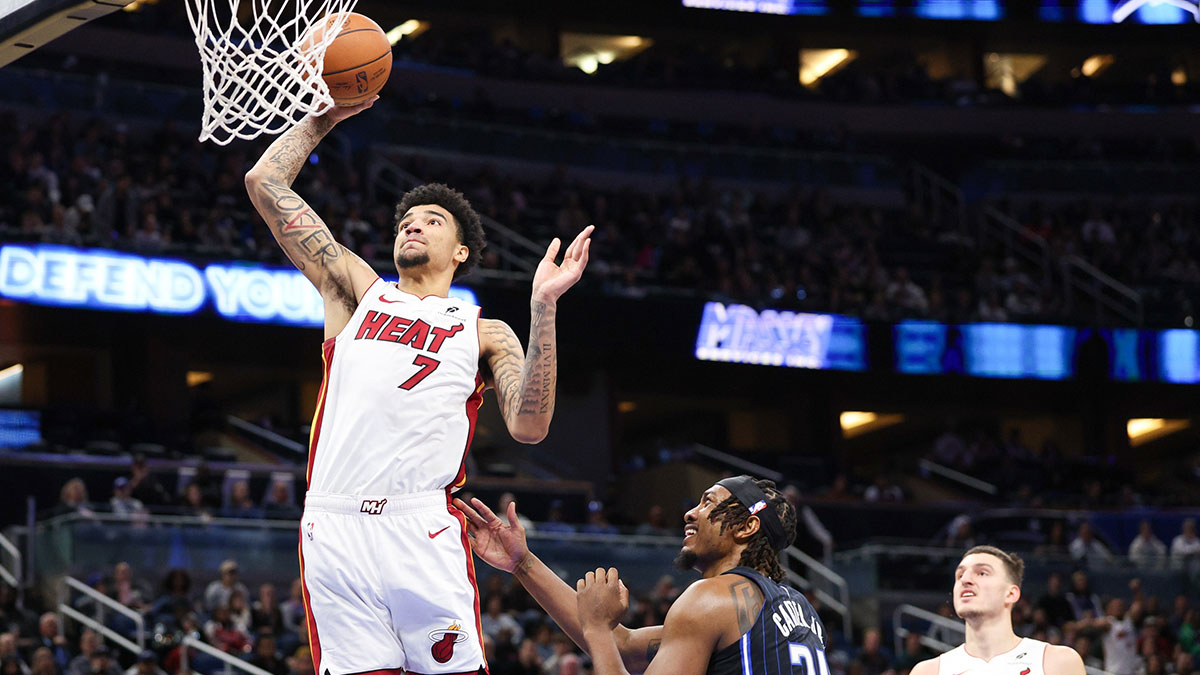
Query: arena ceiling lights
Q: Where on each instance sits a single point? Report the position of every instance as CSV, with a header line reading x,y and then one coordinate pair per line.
x,y
818,63
1143,430
409,29
589,51
1007,71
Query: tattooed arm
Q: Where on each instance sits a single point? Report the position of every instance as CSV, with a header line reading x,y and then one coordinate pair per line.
x,y
709,615
525,382
339,275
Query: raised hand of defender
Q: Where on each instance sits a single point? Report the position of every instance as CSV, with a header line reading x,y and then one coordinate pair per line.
x,y
602,599
338,113
498,544
551,280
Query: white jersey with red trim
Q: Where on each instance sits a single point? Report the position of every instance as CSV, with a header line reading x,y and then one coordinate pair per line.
x,y
401,393
1027,658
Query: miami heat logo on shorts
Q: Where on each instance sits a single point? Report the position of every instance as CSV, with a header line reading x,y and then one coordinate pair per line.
x,y
444,640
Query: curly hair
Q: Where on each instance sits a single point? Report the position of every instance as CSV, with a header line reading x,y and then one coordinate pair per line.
x,y
466,220
758,554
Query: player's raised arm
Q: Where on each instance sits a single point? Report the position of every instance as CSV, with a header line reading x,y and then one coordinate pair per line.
x,y
339,275
525,382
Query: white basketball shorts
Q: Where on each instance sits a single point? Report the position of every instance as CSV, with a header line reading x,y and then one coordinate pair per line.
x,y
390,585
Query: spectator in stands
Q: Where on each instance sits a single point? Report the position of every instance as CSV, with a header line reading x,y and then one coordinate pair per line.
x,y
655,523
48,636
1083,645
1189,633
883,490
300,662
240,616
279,505
177,597
217,593
220,632
914,652
941,633
194,502
74,497
101,662
570,664
1185,663
1084,603
127,590
265,612
959,534
903,292
1147,551
13,619
123,503
10,657
499,624
1086,549
292,610
144,486
1185,548
1120,638
554,519
146,664
597,522
89,640
872,658
267,656
42,662
241,505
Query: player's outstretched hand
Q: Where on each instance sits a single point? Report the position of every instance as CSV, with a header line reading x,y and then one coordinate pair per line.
x,y
340,112
602,599
498,544
551,280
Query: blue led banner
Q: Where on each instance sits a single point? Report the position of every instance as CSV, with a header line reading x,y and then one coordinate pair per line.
x,y
742,334
985,350
103,279
789,7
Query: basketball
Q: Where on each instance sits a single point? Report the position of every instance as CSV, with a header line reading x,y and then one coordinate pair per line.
x,y
358,61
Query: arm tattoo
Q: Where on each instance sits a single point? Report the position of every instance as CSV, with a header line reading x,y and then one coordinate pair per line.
x,y
652,649
506,362
747,602
525,385
286,156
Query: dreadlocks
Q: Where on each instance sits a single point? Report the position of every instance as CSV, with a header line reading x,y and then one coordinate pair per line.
x,y
758,554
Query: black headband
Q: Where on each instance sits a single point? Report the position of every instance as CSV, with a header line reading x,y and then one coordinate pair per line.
x,y
753,498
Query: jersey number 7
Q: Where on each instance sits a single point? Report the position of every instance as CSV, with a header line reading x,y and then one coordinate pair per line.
x,y
427,365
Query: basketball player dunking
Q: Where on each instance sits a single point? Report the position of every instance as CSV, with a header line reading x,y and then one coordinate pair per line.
x,y
384,556
987,583
738,619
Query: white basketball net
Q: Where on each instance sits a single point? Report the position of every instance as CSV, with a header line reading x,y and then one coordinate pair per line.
x,y
260,77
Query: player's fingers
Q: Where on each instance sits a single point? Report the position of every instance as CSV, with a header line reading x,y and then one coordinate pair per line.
x,y
579,585
512,515
583,255
467,511
577,245
583,239
612,576
552,249
483,509
623,593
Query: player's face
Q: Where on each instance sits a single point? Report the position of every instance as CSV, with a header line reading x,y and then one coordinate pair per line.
x,y
982,587
427,236
702,538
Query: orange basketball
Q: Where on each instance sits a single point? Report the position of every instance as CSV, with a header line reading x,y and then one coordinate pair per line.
x,y
358,61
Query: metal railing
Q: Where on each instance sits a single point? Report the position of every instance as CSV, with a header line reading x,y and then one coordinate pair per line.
x,y
834,582
958,477
735,462
937,198
102,601
13,577
939,646
266,435
1017,241
230,661
1106,292
118,639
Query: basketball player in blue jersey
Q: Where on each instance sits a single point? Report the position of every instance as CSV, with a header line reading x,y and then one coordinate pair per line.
x,y
385,560
738,619
987,583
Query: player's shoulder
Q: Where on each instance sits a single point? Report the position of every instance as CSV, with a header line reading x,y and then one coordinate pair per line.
x,y
928,667
1059,659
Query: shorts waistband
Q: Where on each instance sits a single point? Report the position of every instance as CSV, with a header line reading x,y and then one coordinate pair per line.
x,y
376,505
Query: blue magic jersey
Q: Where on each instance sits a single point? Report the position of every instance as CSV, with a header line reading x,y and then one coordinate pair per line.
x,y
787,638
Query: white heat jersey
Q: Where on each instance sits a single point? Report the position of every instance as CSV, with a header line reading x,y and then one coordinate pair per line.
x,y
401,392
1026,659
